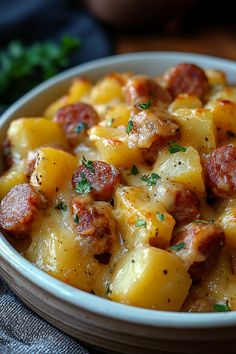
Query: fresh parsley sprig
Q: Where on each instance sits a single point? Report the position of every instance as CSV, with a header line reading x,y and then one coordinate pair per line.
x,y
151,180
83,186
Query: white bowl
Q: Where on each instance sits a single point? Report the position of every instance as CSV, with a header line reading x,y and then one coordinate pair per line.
x,y
100,322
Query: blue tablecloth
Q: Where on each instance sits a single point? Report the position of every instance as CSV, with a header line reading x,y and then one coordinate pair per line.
x,y
21,331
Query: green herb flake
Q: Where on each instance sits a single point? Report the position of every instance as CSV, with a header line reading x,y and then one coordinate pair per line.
x,y
141,223
174,147
80,127
134,171
61,206
221,307
83,186
160,216
177,247
146,105
130,126
110,122
88,164
151,180
108,288
76,219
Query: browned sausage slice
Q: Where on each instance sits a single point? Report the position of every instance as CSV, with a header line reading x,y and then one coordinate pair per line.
x,y
201,244
18,209
75,119
140,89
221,171
187,78
102,179
95,227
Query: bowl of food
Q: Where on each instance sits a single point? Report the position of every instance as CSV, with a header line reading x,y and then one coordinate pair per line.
x,y
118,202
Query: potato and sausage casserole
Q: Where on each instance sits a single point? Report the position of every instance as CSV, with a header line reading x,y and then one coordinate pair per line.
x,y
126,189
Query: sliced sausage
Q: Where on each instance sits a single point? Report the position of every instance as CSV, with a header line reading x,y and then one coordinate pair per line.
x,y
140,89
221,171
95,227
75,119
202,243
19,208
153,125
101,176
187,78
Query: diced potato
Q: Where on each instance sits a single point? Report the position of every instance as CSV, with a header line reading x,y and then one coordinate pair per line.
x,y
185,101
224,115
106,90
79,88
55,106
53,168
15,175
27,134
112,144
215,77
151,278
227,220
182,167
197,128
226,93
117,115
141,220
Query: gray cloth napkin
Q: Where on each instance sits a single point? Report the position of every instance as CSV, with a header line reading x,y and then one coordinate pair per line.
x,y
23,332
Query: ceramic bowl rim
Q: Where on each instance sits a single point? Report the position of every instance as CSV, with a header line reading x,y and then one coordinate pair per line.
x,y
78,297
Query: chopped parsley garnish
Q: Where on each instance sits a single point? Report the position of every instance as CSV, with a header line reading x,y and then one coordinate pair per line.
x,y
83,186
61,206
146,105
110,122
204,221
141,223
108,288
134,171
151,180
76,218
130,126
221,307
160,216
88,164
174,147
80,127
177,247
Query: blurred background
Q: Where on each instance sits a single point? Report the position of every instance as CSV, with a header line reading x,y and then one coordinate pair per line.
x,y
33,46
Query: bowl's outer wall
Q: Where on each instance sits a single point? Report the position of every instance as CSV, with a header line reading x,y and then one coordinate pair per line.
x,y
95,320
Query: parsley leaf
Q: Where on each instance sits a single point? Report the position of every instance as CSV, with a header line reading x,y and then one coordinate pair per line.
x,y
174,147
61,206
134,171
80,127
141,223
146,105
177,247
76,218
152,179
221,307
110,122
108,288
130,126
160,216
88,164
83,186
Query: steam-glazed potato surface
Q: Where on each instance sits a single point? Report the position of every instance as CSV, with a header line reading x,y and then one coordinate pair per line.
x,y
126,188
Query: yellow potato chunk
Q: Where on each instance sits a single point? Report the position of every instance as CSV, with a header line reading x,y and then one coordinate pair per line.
x,y
197,128
117,115
141,220
53,168
51,110
226,93
227,221
29,133
224,116
215,77
15,175
185,101
182,167
106,90
112,144
151,278
79,88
